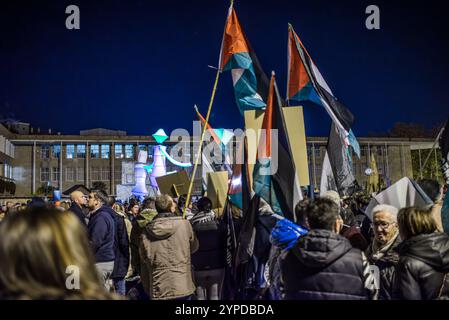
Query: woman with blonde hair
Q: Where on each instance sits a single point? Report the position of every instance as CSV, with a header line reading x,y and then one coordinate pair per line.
x,y
45,254
423,267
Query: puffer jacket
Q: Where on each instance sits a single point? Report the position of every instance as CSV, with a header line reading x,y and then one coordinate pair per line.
x,y
212,242
323,266
166,247
387,266
423,263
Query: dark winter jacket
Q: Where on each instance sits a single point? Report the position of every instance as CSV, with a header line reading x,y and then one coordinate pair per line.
x,y
211,236
387,266
121,247
423,263
101,231
78,212
323,266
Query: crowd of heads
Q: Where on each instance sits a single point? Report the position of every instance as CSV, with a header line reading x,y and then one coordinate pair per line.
x,y
45,239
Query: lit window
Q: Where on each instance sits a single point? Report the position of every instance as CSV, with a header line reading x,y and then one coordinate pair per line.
x,y
118,151
104,151
95,151
45,151
56,151
70,151
81,151
129,151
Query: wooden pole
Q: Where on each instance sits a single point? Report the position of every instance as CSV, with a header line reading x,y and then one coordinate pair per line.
x,y
198,157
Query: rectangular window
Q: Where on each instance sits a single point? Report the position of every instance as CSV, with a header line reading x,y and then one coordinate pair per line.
x,y
56,151
80,174
55,174
69,174
70,151
118,151
95,151
95,174
45,151
45,174
105,176
143,147
129,151
104,151
81,151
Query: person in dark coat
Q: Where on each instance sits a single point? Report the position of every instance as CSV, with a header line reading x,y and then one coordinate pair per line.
x,y
323,265
101,233
210,260
383,251
79,203
422,271
121,249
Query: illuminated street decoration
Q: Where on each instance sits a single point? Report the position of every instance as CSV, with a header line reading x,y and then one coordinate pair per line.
x,y
157,168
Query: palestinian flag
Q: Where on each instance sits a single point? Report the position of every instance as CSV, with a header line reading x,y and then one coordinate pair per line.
x,y
274,175
337,173
305,82
239,191
236,54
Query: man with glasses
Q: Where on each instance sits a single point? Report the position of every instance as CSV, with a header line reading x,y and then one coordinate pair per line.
x,y
383,250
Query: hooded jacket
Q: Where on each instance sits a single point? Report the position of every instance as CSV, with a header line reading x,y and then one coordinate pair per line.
x,y
423,263
166,247
323,266
138,225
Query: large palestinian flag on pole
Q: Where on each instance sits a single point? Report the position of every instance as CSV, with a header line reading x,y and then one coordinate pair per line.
x,y
305,82
236,54
274,175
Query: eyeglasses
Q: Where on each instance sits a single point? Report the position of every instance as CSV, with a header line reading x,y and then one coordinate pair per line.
x,y
382,224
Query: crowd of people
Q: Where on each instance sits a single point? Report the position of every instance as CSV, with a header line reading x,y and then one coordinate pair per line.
x,y
95,247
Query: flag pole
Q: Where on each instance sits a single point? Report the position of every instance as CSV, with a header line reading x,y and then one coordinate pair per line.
x,y
433,147
203,132
192,179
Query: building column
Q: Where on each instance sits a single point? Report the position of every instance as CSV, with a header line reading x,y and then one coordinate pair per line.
x,y
33,187
387,168
60,168
112,168
86,163
402,160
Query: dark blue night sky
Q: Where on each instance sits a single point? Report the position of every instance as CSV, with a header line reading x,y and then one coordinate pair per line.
x,y
141,65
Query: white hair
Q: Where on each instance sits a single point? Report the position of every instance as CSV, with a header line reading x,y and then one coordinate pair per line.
x,y
393,211
333,196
